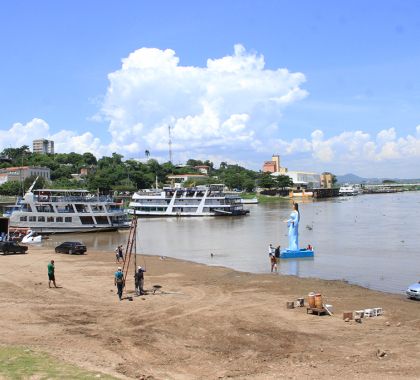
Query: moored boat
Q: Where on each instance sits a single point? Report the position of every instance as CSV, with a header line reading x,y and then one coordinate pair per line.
x,y
50,211
198,201
349,190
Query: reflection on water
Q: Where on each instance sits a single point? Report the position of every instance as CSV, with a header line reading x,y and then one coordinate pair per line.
x,y
370,240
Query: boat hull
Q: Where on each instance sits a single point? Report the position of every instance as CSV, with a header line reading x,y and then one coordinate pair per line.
x,y
60,230
301,253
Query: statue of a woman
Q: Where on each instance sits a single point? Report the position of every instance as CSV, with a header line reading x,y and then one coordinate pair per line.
x,y
293,224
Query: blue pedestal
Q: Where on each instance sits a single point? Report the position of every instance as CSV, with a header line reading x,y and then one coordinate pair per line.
x,y
286,254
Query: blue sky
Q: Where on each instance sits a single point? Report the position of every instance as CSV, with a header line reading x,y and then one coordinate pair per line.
x,y
354,107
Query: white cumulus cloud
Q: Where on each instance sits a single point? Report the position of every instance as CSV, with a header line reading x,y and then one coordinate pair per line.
x,y
228,104
65,141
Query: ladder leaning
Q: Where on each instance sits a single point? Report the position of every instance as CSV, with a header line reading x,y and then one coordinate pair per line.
x,y
130,248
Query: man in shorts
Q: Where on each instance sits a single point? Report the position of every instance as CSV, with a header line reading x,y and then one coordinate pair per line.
x,y
51,274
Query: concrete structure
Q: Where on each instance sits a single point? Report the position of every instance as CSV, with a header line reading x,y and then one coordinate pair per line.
x,y
326,180
274,166
306,180
269,167
203,169
177,180
43,146
20,173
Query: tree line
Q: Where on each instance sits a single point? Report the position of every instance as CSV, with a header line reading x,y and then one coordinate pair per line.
x,y
113,173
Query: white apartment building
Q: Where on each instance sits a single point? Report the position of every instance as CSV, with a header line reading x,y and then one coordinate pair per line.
x,y
43,146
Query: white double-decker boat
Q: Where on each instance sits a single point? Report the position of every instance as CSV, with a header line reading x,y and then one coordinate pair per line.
x,y
50,211
350,190
199,201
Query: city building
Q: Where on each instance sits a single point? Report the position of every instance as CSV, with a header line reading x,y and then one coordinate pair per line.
x,y
273,166
43,146
203,169
178,180
301,179
20,173
326,180
306,180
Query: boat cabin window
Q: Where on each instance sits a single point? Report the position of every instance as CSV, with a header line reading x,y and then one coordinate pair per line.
x,y
67,219
23,218
66,209
81,208
50,219
32,218
86,220
45,208
59,219
26,208
101,220
41,218
97,208
118,219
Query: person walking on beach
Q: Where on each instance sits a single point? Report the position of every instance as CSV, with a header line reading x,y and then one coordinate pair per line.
x,y
139,281
119,282
119,254
51,274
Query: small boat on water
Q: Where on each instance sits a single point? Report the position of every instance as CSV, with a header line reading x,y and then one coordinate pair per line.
x,y
48,211
301,253
349,190
197,201
252,201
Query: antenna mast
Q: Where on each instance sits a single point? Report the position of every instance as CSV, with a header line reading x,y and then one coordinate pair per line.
x,y
170,143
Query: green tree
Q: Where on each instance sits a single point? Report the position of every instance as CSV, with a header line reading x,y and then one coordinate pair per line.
x,y
11,188
283,181
40,182
89,159
266,181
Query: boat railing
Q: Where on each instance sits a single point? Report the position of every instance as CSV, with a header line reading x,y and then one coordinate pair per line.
x,y
70,198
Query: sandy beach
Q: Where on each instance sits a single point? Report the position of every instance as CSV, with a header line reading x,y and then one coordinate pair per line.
x,y
205,323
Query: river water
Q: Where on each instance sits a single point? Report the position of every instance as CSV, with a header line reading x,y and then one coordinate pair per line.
x,y
369,240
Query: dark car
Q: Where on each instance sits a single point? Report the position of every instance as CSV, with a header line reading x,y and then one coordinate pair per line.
x,y
71,247
12,247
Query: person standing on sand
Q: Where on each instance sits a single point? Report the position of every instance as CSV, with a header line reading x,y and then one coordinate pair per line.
x,y
277,258
120,253
117,255
139,281
51,274
271,256
119,282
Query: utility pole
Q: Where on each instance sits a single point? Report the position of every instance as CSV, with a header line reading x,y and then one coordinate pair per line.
x,y
170,144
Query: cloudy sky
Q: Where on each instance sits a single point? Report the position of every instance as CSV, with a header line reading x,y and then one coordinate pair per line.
x,y
330,86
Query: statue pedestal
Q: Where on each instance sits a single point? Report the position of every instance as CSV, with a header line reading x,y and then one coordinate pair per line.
x,y
287,254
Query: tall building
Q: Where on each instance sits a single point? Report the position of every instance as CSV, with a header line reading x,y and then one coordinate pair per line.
x,y
273,166
326,180
43,146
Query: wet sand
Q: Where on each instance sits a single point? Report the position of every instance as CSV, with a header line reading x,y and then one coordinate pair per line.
x,y
206,323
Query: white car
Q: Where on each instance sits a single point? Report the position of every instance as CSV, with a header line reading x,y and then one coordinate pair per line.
x,y
413,291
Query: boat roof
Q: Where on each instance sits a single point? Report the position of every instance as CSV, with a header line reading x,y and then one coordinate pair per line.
x,y
61,191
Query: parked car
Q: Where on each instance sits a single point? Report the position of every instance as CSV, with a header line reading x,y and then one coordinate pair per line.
x,y
413,291
12,247
71,247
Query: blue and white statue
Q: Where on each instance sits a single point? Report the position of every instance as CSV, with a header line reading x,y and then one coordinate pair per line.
x,y
293,224
293,251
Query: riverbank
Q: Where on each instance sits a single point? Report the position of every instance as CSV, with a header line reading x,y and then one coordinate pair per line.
x,y
207,322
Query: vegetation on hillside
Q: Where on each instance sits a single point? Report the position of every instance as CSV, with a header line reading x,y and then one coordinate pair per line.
x,y
113,173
